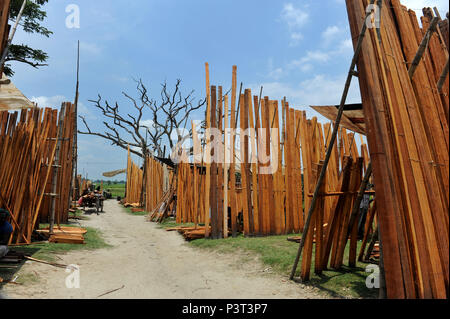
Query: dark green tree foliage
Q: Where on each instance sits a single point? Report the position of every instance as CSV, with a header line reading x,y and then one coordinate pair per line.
x,y
32,18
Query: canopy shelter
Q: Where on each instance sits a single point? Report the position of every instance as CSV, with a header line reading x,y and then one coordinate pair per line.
x,y
11,98
352,119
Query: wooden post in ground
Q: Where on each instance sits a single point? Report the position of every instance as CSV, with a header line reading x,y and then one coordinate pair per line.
x,y
232,155
207,155
225,171
214,178
55,172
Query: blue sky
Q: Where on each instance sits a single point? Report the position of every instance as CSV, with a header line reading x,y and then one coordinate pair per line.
x,y
298,49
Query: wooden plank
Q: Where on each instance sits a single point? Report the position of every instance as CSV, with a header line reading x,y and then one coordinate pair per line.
x,y
288,170
225,170
279,185
207,155
232,155
220,181
254,162
244,181
214,178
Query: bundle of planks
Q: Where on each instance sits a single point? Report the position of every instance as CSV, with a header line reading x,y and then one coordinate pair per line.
x,y
154,186
28,144
407,124
190,233
133,188
149,189
262,185
190,188
165,207
65,235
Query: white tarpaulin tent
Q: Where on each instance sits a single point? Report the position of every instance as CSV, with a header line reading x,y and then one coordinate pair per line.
x,y
11,98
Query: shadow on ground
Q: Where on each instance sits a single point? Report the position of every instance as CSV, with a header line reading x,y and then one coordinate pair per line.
x,y
9,271
333,277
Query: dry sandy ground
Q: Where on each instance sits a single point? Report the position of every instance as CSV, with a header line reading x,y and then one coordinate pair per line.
x,y
148,262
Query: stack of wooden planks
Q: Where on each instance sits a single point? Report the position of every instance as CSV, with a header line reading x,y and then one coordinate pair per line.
x,y
28,144
190,233
165,207
407,130
65,235
259,182
67,118
154,186
147,190
133,188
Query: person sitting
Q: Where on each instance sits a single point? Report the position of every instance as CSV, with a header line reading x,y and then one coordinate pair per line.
x,y
5,232
84,194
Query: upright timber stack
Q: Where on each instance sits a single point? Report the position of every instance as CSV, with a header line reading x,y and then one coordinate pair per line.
x,y
133,186
261,175
153,184
407,131
27,152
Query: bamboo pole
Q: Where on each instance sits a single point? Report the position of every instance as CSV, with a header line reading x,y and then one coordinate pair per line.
x,y
422,47
443,76
11,37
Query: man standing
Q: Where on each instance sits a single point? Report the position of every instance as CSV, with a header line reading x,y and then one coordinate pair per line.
x,y
5,232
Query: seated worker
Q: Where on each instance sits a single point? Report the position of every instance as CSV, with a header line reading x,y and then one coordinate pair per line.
x,y
5,232
83,195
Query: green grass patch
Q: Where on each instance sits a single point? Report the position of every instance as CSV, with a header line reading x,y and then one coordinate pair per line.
x,y
116,189
128,210
279,254
79,214
171,223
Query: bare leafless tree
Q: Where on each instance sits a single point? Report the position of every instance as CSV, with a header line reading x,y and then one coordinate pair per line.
x,y
168,115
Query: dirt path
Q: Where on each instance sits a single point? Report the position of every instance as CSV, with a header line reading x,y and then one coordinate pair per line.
x,y
149,262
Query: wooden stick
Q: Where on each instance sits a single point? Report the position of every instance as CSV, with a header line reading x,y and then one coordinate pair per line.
x,y
207,155
225,172
422,47
443,76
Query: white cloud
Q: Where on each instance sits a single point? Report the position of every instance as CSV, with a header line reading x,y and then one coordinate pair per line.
x,y
330,34
306,63
345,46
296,37
90,48
49,101
311,56
56,101
295,19
317,90
306,67
274,73
84,111
147,123
121,79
